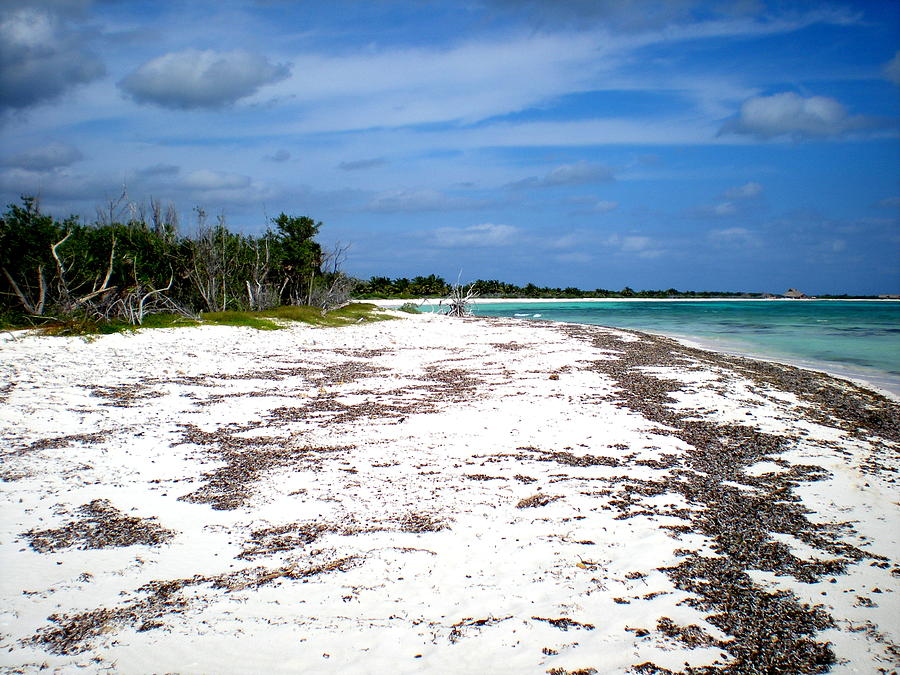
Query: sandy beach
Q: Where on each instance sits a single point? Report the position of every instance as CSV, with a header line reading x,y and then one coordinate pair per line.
x,y
438,495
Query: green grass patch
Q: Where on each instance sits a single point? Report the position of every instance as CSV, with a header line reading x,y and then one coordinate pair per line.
x,y
357,312
167,321
271,319
248,319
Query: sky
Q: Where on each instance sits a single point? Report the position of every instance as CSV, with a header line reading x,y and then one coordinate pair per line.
x,y
700,145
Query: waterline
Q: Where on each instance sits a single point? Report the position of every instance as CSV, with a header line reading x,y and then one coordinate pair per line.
x,y
850,339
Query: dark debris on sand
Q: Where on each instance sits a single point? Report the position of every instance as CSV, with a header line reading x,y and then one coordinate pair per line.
x,y
245,461
101,526
73,633
769,631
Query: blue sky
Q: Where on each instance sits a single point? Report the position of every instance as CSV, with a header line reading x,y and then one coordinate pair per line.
x,y
732,145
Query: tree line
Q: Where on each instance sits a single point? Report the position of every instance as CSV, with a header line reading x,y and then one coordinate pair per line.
x,y
132,261
434,286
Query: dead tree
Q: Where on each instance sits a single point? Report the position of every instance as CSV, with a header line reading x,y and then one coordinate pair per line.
x,y
260,293
34,306
460,300
334,294
213,258
335,287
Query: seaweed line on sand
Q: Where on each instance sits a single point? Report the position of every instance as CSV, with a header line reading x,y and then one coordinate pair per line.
x,y
770,631
73,633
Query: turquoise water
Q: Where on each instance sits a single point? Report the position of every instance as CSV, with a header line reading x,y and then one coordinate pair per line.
x,y
853,339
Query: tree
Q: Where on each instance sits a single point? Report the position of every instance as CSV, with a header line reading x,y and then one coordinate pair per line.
x,y
300,256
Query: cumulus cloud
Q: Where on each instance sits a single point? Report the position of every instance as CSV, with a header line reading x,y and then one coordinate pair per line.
x,y
46,157
486,234
41,56
891,69
579,173
359,164
419,200
201,79
745,191
789,114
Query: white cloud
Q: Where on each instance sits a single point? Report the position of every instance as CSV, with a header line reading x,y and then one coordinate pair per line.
x,y
468,82
201,79
720,210
745,191
205,179
486,234
891,69
419,200
592,205
46,157
789,114
573,258
635,246
635,243
41,57
734,237
579,173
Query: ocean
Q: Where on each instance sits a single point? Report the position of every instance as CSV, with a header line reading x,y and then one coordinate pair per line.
x,y
854,339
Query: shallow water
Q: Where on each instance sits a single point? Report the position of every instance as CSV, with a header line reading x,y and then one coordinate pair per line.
x,y
849,338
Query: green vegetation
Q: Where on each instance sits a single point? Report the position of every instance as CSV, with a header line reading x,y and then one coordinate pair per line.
x,y
120,271
272,319
131,267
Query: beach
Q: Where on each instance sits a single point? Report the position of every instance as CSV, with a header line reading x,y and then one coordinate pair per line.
x,y
430,494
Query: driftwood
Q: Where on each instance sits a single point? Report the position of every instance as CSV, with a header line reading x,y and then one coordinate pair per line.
x,y
460,300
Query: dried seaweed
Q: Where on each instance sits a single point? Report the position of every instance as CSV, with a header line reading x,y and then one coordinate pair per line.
x,y
246,460
539,499
103,526
73,633
770,631
564,623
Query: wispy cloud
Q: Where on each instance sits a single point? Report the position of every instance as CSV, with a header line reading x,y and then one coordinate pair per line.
x,y
280,155
398,201
591,206
733,237
749,190
46,157
579,173
359,164
486,234
891,69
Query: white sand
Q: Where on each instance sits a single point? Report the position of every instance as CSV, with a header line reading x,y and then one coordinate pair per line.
x,y
457,600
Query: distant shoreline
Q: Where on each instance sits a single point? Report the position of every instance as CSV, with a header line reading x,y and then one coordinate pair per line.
x,y
430,302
